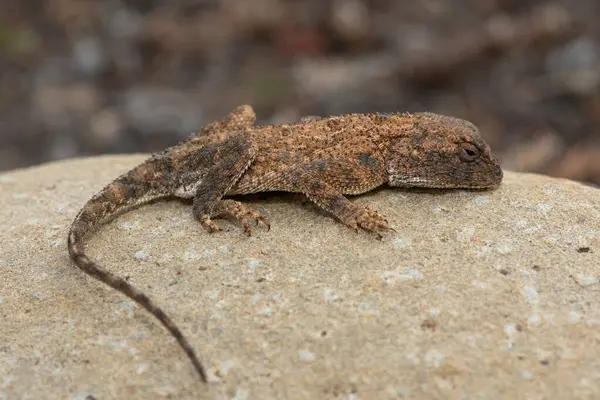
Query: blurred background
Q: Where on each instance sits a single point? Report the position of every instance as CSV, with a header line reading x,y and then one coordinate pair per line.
x,y
84,77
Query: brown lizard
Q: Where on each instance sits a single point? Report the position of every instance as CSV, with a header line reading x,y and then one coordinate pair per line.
x,y
322,158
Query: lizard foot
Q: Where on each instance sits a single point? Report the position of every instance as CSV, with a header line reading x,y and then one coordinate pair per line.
x,y
367,218
234,209
208,223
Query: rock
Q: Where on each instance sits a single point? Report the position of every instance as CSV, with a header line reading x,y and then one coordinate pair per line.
x,y
478,294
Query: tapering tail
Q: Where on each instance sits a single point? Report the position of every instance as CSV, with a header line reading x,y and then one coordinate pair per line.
x,y
82,225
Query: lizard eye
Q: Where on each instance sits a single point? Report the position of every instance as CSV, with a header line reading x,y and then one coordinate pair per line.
x,y
468,153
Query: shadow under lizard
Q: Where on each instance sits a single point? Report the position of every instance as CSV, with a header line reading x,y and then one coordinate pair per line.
x,y
322,158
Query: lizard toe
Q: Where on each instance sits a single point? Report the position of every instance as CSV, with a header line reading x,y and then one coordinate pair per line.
x,y
244,214
246,226
371,220
209,224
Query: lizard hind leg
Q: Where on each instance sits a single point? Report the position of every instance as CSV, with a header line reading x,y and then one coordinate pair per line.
x,y
358,167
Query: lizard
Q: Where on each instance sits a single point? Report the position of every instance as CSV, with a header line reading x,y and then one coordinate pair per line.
x,y
324,159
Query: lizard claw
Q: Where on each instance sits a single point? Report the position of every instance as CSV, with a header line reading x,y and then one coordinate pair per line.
x,y
264,220
256,217
209,224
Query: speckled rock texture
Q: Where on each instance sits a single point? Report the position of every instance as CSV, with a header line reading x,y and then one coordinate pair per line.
x,y
478,295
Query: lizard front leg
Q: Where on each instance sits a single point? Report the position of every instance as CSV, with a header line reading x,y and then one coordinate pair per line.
x,y
325,181
351,214
232,159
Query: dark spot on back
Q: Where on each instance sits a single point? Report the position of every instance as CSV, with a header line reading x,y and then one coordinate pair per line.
x,y
417,141
283,156
368,161
320,165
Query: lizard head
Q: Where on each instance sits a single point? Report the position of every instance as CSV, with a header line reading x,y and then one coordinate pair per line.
x,y
440,152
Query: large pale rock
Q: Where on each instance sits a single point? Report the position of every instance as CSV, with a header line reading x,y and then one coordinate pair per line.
x,y
478,295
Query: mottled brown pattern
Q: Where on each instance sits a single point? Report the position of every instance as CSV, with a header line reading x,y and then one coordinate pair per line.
x,y
323,158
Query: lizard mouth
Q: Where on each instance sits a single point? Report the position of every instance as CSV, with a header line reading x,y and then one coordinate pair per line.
x,y
427,183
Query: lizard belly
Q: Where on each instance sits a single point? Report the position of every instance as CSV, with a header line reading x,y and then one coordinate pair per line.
x,y
252,182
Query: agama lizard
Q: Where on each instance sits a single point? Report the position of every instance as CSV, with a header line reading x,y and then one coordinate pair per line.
x,y
322,158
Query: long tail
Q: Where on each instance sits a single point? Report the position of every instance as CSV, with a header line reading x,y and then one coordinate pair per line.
x,y
108,203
